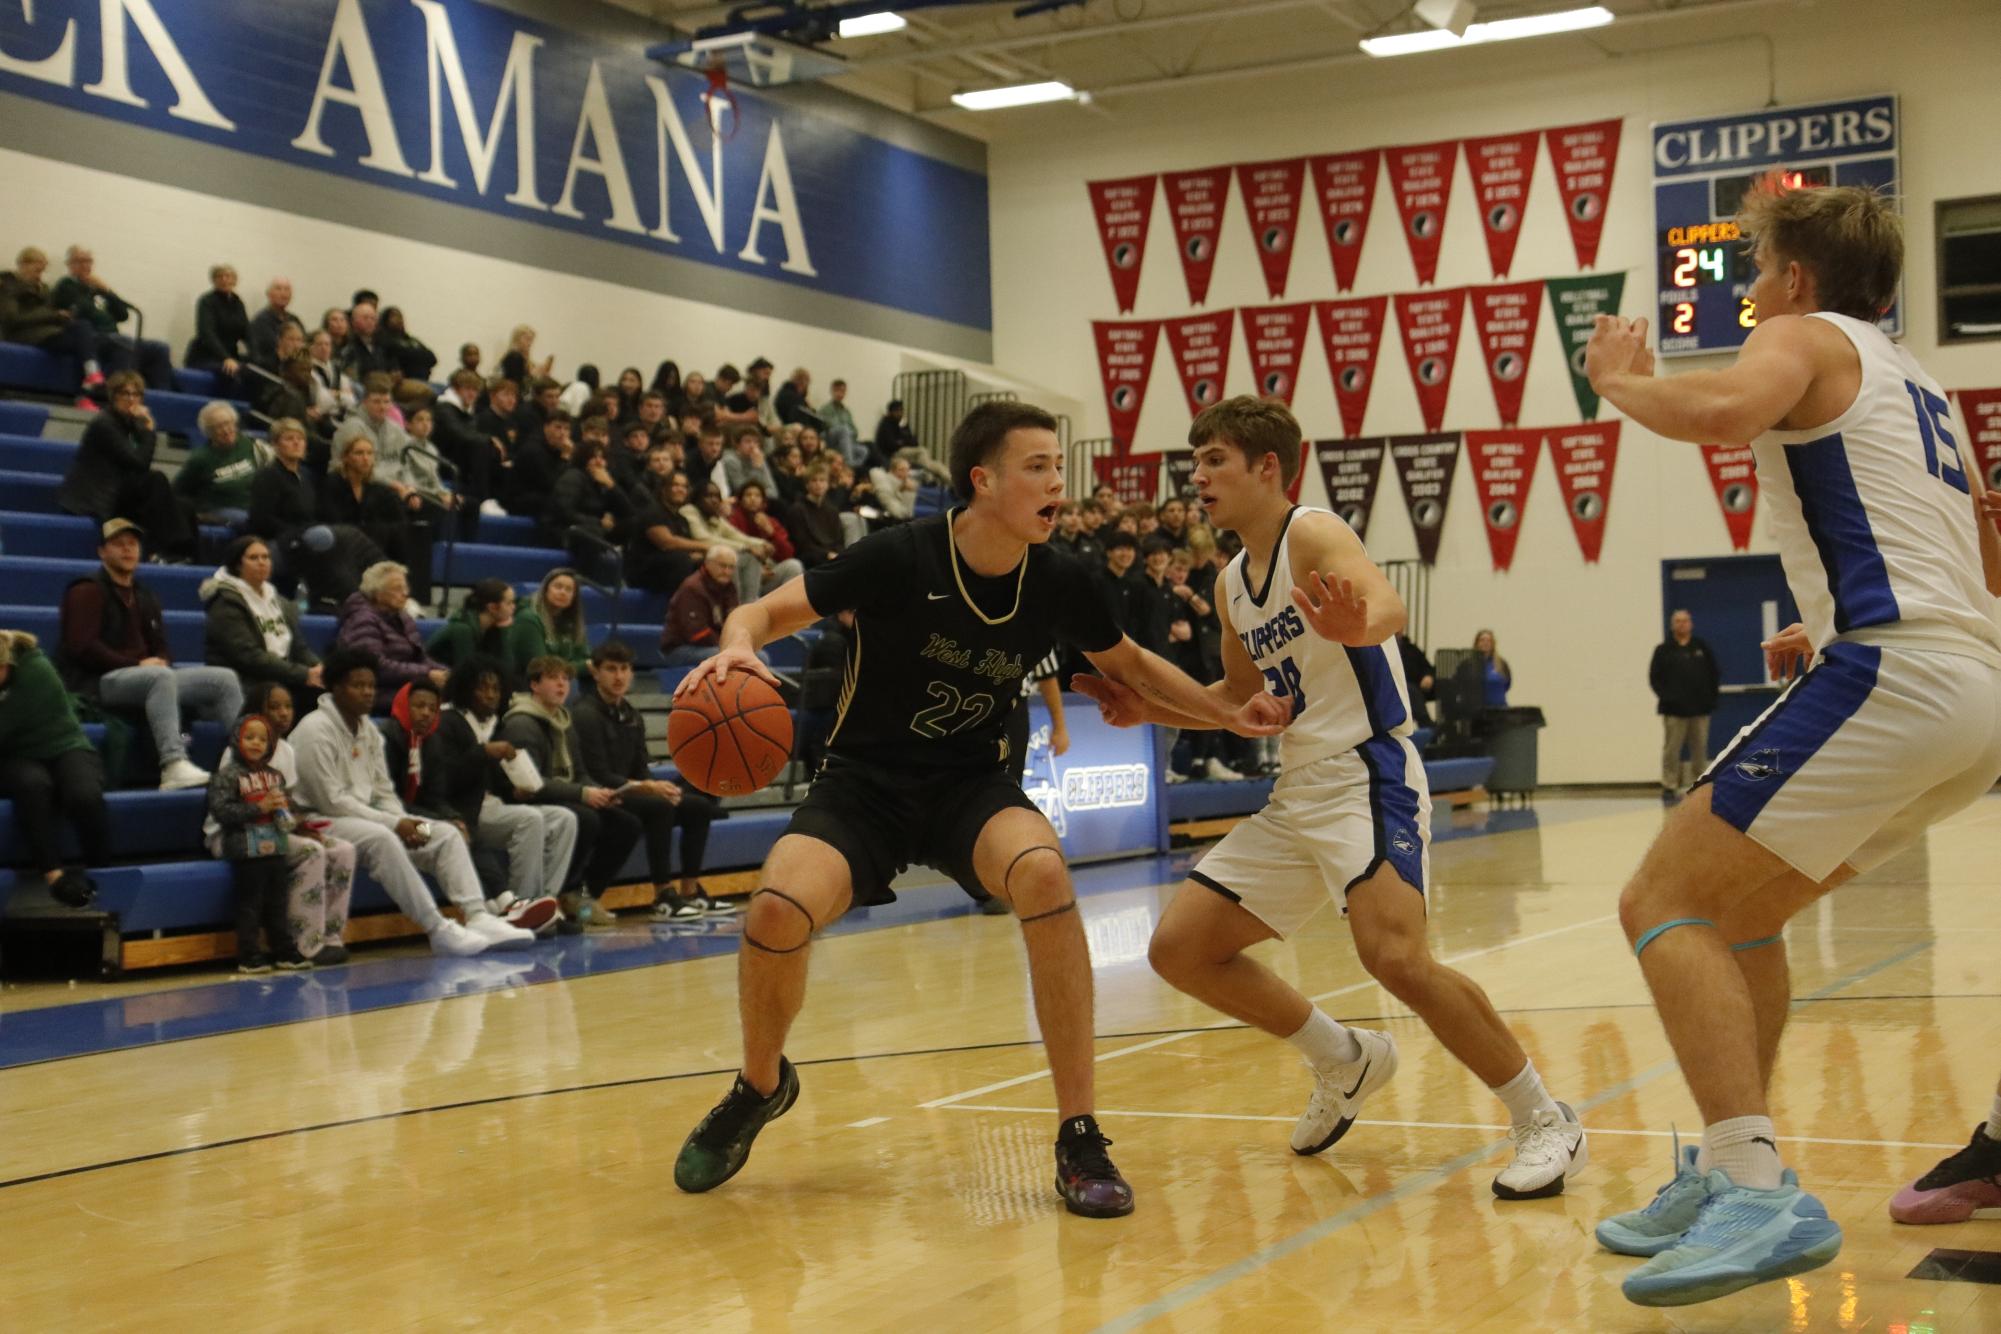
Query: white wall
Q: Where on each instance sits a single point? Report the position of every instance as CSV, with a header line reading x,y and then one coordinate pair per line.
x,y
1578,636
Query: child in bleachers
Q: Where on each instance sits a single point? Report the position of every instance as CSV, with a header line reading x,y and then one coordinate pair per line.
x,y
248,802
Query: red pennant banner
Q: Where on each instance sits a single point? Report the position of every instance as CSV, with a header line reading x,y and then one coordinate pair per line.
x,y
1353,333
1583,156
1195,205
1430,322
1505,318
1201,349
1123,209
1733,471
1345,184
1271,202
1503,471
1421,179
1584,457
1351,469
1982,410
1134,480
1425,464
1273,335
1502,168
1125,360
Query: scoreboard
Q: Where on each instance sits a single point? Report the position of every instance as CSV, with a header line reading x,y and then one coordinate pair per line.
x,y
1702,169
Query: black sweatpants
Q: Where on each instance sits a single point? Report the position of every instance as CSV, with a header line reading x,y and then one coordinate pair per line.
x,y
657,818
47,792
261,886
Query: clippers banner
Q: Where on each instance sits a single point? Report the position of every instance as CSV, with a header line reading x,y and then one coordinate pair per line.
x,y
1421,180
1345,184
1430,322
1271,202
1505,319
1425,464
1133,479
1583,156
1125,361
1273,335
1201,350
1576,304
1123,210
1195,206
1503,470
1733,472
1351,469
1502,168
1352,332
1982,410
1584,458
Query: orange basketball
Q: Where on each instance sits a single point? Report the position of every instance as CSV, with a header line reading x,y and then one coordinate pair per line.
x,y
732,739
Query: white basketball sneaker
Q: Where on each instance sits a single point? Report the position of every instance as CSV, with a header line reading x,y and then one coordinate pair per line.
x,y
498,933
1338,1091
1548,1150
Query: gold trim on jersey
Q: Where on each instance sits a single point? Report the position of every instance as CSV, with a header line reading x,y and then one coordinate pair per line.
x,y
851,677
952,553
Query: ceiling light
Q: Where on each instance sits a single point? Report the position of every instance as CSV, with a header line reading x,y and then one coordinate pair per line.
x,y
1455,16
872,25
1019,95
1501,30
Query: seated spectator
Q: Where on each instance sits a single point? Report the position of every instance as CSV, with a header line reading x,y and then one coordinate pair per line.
x,y
791,403
366,354
1119,584
406,352
611,743
114,652
334,321
112,474
1172,518
745,462
1146,522
838,425
653,414
252,813
1170,631
29,314
215,480
696,612
352,496
698,393
516,363
540,400
460,438
482,626
469,357
662,551
579,393
49,770
552,624
411,474
760,571
541,728
896,489
746,408
1071,539
537,464
252,629
767,403
344,777
321,863
500,418
268,325
222,331
540,842
628,458
631,388
705,465
815,525
277,390
892,437
785,472
590,512
850,498
284,510
376,620
752,516
667,383
333,392
85,295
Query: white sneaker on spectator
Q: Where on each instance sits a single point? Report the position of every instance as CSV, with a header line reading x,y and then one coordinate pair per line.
x,y
452,939
498,933
493,509
181,774
1219,772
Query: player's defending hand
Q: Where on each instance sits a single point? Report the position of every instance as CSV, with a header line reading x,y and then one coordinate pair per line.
x,y
1618,346
1334,609
1990,504
1118,704
1785,651
718,668
1263,714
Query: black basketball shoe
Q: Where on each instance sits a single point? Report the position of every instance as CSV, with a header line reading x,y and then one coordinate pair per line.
x,y
1085,1177
719,1145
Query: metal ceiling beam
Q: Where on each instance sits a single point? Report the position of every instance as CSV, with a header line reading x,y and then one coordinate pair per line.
x,y
1058,36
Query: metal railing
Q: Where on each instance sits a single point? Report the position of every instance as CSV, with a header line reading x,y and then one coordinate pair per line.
x,y
1412,581
934,403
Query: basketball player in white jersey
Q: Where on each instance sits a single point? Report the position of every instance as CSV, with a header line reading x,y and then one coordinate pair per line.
x,y
1896,724
1307,614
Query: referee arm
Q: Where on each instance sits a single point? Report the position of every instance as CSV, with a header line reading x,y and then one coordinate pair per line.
x,y
781,612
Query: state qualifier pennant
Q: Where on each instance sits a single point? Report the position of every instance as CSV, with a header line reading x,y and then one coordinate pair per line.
x,y
1195,207
1125,361
1584,458
1584,156
1123,209
1345,186
1502,167
1271,202
1430,322
1352,332
1273,335
1200,346
1982,410
1503,470
1733,473
1421,180
1505,318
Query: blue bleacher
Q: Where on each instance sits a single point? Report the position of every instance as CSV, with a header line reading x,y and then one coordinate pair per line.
x,y
21,452
190,381
30,492
24,367
1205,800
184,627
23,418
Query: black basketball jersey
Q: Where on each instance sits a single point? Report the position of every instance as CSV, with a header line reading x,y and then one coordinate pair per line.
x,y
938,655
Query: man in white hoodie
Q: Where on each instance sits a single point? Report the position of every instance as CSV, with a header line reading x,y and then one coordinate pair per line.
x,y
344,776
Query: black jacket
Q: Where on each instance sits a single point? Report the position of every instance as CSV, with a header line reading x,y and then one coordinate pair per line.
x,y
579,502
222,330
281,501
1685,678
115,449
1415,668
611,742
231,638
816,531
457,772
532,480
376,508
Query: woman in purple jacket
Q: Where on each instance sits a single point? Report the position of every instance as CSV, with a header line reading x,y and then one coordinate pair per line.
x,y
374,618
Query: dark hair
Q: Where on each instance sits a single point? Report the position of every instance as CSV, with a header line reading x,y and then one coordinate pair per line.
x,y
838,384
585,451
501,384
588,374
257,696
363,297
550,665
637,425
558,416
612,650
1254,427
419,684
751,485
343,660
983,434
233,554
1118,537
654,396
487,593
376,383
1155,542
464,681
761,364
667,374
728,372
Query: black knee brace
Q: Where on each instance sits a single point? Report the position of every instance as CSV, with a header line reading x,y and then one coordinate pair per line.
x,y
1008,875
811,925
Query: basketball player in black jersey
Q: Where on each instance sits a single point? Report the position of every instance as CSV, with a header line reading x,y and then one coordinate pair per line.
x,y
950,612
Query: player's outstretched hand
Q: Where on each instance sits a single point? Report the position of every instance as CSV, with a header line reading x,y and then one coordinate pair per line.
x,y
718,668
1333,608
1990,502
1263,714
1785,651
1118,704
1618,346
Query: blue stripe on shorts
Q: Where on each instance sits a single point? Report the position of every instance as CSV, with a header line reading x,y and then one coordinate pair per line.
x,y
1393,806
1758,767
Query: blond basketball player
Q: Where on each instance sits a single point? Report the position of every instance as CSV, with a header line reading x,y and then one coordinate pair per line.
x,y
1307,614
1897,724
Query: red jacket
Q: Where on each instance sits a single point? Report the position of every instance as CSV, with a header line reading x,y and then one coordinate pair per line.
x,y
781,541
696,613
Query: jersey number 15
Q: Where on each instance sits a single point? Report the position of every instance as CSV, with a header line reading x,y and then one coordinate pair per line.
x,y
1935,427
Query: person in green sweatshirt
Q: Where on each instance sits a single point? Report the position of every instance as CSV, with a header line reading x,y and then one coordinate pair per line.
x,y
480,626
48,768
552,624
216,478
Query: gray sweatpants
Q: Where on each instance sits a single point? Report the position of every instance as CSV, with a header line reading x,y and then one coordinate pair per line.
x,y
538,840
1691,734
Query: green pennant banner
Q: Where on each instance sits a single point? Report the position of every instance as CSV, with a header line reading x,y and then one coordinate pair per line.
x,y
1576,304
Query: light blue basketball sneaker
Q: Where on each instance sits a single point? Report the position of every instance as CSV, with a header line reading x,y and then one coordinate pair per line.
x,y
1740,1237
1649,1231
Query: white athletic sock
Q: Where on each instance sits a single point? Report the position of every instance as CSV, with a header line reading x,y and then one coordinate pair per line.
x,y
1324,1042
1745,1147
1994,1118
1525,1096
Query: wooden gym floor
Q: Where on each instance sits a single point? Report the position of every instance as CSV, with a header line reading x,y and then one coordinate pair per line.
x,y
417,1144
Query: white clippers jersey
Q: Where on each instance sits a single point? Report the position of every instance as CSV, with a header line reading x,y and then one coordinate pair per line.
x,y
1341,696
1873,517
